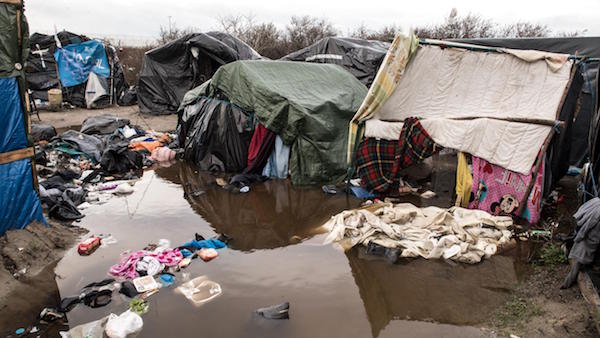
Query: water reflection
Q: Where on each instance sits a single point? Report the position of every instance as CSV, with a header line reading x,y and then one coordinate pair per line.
x,y
273,214
430,290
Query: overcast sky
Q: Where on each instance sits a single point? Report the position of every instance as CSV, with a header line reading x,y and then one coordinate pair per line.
x,y
140,20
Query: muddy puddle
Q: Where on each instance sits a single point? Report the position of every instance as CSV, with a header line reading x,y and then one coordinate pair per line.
x,y
277,255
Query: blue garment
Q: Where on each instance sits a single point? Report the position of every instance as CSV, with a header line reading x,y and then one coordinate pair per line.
x,y
277,165
185,252
205,243
76,61
361,192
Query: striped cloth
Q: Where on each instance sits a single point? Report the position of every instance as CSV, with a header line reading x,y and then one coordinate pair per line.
x,y
379,162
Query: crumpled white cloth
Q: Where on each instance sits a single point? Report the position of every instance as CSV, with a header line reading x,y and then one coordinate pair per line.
x,y
459,234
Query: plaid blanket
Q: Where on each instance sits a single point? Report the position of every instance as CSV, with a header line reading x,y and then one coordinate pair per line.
x,y
379,162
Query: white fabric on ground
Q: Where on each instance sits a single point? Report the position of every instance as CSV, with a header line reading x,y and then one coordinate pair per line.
x,y
459,234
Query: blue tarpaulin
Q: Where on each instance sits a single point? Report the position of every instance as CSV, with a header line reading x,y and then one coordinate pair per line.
x,y
19,202
76,61
12,132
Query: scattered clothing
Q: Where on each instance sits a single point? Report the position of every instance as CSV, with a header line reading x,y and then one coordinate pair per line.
x,y
379,162
126,268
500,191
260,149
162,154
205,243
277,164
459,234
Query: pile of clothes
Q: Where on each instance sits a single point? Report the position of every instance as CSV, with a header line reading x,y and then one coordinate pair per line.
x,y
458,234
104,158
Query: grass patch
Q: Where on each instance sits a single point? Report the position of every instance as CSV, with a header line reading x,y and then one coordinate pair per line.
x,y
514,312
552,254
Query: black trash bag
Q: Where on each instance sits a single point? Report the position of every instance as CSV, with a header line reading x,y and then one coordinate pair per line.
x,y
215,134
42,132
62,208
279,311
129,97
40,156
119,159
103,124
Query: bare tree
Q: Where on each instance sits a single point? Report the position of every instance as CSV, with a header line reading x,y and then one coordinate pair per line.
x,y
306,30
457,27
172,33
525,30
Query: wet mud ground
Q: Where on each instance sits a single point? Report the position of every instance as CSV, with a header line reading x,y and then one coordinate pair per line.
x,y
277,255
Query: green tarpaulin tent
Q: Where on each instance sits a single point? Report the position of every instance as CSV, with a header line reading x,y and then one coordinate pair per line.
x,y
308,105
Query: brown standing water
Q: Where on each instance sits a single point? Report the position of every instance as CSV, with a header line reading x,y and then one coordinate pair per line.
x,y
277,255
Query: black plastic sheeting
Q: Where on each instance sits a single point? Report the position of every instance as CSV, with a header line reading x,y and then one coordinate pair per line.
x,y
215,134
102,124
360,57
583,46
42,132
42,76
169,71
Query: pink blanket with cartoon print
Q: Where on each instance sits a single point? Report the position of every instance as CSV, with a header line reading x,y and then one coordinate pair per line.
x,y
499,191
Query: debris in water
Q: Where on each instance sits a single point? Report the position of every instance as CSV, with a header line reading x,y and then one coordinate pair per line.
x,y
279,311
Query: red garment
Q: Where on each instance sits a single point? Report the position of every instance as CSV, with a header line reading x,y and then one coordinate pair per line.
x,y
257,139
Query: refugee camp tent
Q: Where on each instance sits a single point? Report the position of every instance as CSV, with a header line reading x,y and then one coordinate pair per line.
x,y
169,71
500,106
43,72
308,106
19,201
360,57
576,151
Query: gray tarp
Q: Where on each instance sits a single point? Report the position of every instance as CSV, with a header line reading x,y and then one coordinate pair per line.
x,y
360,57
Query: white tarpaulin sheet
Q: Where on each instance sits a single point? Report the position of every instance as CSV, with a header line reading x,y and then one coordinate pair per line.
x,y
442,84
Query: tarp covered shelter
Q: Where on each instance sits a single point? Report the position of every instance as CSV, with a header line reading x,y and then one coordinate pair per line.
x,y
19,201
360,57
169,71
499,105
43,75
587,47
307,105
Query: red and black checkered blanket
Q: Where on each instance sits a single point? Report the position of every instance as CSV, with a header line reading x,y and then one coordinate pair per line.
x,y
380,161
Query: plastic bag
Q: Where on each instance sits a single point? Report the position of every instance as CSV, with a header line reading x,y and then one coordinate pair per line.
x,y
200,290
93,329
127,324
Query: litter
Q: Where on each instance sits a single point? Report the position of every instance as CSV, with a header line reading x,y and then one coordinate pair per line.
x,y
200,290
139,306
123,325
93,329
20,331
207,254
279,311
148,265
123,189
428,194
167,279
88,246
146,283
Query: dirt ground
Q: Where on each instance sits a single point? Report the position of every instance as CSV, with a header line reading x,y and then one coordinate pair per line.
x,y
74,117
27,279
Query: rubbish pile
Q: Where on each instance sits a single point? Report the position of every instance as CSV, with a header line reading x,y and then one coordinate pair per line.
x,y
137,276
105,158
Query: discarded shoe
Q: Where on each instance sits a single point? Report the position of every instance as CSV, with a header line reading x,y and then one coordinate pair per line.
x,y
279,311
